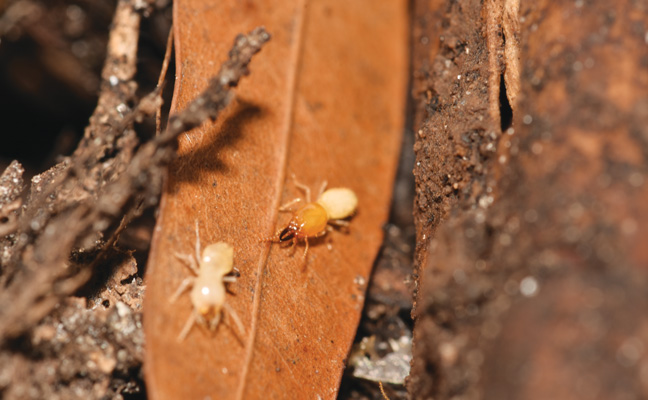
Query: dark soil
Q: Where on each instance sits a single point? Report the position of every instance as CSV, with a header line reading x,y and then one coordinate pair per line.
x,y
89,345
386,314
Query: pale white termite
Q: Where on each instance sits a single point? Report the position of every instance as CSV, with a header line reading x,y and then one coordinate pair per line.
x,y
212,269
314,219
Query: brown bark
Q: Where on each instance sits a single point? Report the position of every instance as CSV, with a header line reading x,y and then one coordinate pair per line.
x,y
534,284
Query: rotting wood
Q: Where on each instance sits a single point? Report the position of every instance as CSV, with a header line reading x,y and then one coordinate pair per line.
x,y
454,149
535,288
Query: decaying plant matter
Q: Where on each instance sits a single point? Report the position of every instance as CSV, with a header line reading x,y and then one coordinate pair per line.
x,y
61,235
531,202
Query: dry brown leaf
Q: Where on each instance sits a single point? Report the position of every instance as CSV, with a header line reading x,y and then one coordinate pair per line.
x,y
325,100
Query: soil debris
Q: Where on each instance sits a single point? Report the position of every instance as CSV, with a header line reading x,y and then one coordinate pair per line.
x,y
59,241
77,353
86,201
11,186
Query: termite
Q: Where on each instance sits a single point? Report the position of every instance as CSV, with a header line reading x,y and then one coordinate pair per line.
x,y
314,219
208,291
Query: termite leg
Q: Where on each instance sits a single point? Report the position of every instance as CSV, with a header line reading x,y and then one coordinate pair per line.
x,y
339,222
304,260
324,232
286,207
215,321
197,242
303,187
322,188
189,261
182,288
306,249
235,318
293,244
230,279
187,327
328,229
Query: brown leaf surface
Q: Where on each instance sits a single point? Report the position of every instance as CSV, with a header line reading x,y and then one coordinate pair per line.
x,y
325,101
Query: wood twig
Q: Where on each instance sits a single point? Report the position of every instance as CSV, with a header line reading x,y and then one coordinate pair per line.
x,y
79,206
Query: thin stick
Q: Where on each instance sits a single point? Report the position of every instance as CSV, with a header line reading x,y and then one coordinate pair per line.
x,y
163,72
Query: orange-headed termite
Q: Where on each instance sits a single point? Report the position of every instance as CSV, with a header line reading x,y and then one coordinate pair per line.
x,y
314,219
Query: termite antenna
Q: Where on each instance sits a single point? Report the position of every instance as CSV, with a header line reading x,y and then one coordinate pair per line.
x,y
268,239
382,390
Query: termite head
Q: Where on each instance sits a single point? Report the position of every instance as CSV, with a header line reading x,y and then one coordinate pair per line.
x,y
219,257
287,234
